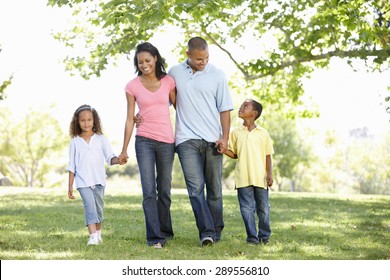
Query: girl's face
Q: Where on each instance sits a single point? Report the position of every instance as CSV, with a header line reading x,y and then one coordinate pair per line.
x,y
86,121
146,63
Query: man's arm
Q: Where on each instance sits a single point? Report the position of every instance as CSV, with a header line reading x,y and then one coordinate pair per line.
x,y
222,143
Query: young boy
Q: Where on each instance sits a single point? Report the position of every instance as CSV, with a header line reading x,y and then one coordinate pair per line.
x,y
252,146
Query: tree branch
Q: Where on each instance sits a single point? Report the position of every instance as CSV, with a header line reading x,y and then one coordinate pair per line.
x,y
246,74
299,60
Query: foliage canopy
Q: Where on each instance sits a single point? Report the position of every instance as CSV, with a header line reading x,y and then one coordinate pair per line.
x,y
4,85
276,41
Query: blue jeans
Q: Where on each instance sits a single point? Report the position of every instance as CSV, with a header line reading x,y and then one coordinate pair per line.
x,y
202,165
251,200
93,204
155,161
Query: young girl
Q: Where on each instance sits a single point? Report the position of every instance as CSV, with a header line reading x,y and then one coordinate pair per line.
x,y
88,150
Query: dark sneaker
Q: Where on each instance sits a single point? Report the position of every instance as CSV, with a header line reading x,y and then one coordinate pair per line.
x,y
264,241
207,241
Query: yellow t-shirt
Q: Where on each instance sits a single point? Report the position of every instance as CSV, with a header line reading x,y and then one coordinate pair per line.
x,y
251,148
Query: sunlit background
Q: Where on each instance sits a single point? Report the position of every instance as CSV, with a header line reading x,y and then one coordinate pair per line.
x,y
347,101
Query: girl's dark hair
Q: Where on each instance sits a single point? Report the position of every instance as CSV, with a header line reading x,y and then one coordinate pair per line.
x,y
160,63
75,129
258,107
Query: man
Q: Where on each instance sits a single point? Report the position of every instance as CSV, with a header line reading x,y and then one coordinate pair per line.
x,y
203,108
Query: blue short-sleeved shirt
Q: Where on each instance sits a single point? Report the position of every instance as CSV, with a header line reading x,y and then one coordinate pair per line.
x,y
201,97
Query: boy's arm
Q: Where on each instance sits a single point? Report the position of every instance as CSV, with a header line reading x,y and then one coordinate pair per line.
x,y
230,154
268,167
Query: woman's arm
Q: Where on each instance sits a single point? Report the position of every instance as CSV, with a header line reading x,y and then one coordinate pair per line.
x,y
129,126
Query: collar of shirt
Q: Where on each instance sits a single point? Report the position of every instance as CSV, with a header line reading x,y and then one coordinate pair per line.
x,y
185,65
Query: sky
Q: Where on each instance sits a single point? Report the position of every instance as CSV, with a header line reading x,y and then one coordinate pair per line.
x,y
346,99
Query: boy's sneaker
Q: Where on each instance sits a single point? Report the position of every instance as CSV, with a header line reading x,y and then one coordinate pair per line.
x,y
265,241
207,241
157,245
100,239
93,241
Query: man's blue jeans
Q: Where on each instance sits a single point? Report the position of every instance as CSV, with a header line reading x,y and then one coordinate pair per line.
x,y
255,200
202,165
155,161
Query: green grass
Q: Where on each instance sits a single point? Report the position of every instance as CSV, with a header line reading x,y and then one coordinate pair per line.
x,y
45,224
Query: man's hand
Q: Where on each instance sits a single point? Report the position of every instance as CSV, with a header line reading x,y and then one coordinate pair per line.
x,y
221,145
137,120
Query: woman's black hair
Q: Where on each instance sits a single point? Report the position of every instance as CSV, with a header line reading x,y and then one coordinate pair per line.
x,y
160,63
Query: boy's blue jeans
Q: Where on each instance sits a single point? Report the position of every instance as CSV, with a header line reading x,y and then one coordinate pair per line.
x,y
255,200
155,161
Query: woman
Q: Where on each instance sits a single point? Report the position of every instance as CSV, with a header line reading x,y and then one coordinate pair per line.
x,y
153,91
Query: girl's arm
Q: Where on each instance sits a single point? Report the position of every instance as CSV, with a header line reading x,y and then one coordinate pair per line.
x,y
70,185
115,160
129,126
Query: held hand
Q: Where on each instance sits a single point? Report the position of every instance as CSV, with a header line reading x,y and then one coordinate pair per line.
x,y
123,158
137,120
221,145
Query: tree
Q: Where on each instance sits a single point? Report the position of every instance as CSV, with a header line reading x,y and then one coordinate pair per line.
x,y
3,86
29,149
292,153
368,160
277,42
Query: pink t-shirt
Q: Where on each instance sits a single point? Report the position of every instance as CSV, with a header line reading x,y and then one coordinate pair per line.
x,y
154,109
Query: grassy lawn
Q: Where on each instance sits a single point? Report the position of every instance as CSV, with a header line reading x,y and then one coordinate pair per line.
x,y
44,224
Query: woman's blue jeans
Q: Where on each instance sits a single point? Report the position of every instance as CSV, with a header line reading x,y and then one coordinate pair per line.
x,y
202,165
155,161
255,200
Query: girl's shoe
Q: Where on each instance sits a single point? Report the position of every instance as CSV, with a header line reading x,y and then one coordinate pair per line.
x,y
93,241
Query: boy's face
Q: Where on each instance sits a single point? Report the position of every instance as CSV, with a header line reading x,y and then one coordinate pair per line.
x,y
246,110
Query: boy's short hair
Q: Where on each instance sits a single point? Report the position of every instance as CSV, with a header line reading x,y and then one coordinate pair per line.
x,y
258,107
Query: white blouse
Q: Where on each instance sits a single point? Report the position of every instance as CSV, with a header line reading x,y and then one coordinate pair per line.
x,y
86,160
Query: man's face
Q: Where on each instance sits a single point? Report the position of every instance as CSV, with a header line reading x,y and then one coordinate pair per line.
x,y
198,59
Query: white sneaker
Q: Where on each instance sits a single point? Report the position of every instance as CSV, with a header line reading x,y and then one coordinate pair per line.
x,y
93,241
100,239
